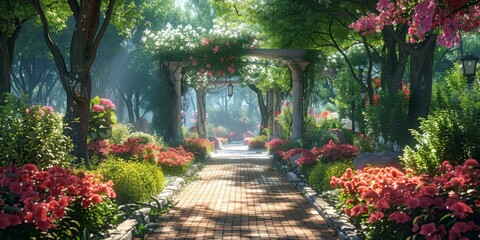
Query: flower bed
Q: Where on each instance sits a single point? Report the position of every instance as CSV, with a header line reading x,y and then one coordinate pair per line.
x,y
30,197
386,201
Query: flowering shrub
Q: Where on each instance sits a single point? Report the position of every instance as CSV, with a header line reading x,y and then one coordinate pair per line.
x,y
275,144
32,134
199,147
257,142
31,196
388,201
307,157
174,160
102,117
335,151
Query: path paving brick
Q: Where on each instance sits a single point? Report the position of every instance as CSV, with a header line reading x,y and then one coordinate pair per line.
x,y
237,196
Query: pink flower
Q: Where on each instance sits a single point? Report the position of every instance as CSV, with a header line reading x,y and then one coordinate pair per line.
x,y
108,103
399,217
204,41
98,108
49,109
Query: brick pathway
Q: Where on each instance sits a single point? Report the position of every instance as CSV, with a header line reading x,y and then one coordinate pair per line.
x,y
239,197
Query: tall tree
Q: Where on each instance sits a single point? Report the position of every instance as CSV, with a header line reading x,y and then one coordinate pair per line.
x,y
75,76
13,13
420,25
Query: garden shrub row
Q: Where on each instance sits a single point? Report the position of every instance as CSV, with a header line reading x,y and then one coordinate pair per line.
x,y
44,195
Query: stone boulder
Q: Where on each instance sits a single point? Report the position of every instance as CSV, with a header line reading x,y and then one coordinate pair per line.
x,y
340,134
293,159
377,159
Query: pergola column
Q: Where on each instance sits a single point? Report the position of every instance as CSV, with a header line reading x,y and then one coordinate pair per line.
x,y
175,69
297,69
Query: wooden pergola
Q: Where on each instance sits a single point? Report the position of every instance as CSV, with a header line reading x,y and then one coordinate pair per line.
x,y
294,59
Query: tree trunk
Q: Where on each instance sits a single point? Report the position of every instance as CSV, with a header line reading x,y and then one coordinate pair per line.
x,y
262,106
76,81
394,61
202,111
77,117
7,49
421,78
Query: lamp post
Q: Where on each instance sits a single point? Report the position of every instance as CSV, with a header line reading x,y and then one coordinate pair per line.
x,y
230,90
469,66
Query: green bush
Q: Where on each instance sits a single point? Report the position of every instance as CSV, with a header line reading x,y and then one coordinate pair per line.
x,y
120,133
451,135
135,182
146,138
32,135
319,177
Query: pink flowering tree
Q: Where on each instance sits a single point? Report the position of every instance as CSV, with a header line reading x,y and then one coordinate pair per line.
x,y
412,29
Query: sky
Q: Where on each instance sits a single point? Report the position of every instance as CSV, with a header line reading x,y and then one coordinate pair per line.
x,y
180,2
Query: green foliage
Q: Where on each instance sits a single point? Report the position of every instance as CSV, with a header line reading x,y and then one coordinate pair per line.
x,y
388,118
32,135
445,135
120,133
451,132
145,138
95,219
284,119
320,176
318,137
134,181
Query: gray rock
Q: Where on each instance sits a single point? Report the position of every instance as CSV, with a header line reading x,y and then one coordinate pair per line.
x,y
377,159
293,159
340,134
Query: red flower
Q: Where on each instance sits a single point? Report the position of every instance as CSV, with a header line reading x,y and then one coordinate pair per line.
x,y
461,209
375,216
457,230
399,217
428,229
4,221
357,210
470,163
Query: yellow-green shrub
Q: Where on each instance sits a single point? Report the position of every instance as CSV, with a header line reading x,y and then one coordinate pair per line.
x,y
319,178
134,181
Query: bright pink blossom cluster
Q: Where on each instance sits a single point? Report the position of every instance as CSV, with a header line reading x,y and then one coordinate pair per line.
x,y
430,207
334,151
41,197
104,104
424,17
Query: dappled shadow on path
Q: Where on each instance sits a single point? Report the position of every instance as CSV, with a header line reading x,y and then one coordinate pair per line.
x,y
241,198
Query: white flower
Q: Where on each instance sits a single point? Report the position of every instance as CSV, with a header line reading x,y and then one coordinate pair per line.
x,y
332,115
